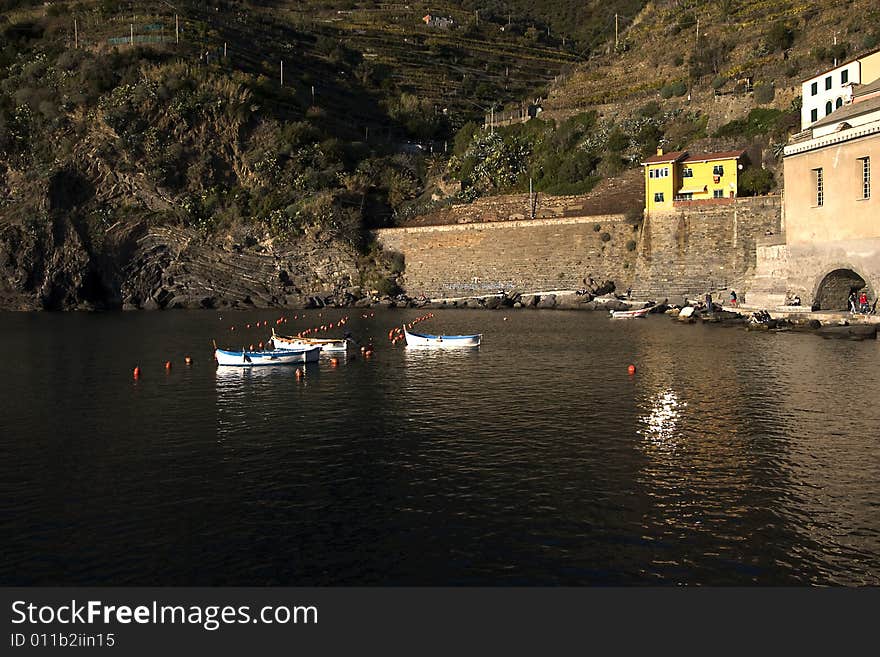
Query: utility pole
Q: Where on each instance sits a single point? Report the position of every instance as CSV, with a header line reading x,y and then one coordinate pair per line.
x,y
224,50
531,201
282,72
132,34
75,34
616,31
477,14
313,94
176,29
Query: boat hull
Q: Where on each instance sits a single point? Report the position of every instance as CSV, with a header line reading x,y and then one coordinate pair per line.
x,y
630,314
263,358
442,341
334,346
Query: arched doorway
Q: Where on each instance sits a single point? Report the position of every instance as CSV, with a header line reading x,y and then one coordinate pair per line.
x,y
834,290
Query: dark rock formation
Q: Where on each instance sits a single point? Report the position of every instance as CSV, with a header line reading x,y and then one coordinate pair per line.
x,y
62,264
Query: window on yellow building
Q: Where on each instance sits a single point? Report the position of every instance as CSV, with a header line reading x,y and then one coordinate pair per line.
x,y
687,172
718,193
658,197
718,170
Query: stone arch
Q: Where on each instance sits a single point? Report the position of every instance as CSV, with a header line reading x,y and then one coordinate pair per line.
x,y
833,290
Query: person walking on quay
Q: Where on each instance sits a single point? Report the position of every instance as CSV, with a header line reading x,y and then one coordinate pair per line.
x,y
709,307
733,298
863,301
852,301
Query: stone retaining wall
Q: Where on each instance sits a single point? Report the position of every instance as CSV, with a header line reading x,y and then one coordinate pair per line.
x,y
684,252
537,254
694,250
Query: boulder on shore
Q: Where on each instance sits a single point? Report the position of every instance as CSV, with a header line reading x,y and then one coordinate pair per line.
x,y
547,301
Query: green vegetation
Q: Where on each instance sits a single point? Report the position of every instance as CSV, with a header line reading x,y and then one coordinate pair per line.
x,y
780,37
760,121
756,181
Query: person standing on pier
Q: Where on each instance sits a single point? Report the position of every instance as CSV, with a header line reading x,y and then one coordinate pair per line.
x,y
852,301
733,298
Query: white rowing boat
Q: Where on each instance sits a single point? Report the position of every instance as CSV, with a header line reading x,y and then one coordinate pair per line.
x,y
629,314
274,357
286,342
441,341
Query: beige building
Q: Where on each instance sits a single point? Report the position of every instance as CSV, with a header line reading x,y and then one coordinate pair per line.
x,y
830,244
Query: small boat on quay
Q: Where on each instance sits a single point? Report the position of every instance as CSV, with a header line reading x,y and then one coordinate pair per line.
x,y
441,341
273,357
289,342
629,314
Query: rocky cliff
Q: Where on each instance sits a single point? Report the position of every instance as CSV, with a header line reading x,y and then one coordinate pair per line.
x,y
59,266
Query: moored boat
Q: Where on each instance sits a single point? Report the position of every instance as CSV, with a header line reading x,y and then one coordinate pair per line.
x,y
274,357
289,342
628,314
849,331
441,341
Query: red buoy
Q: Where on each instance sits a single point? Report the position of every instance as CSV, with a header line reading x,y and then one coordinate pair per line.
x,y
631,369
167,364
188,360
137,373
334,362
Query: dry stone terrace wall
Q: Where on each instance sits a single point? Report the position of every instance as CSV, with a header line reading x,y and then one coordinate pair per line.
x,y
528,255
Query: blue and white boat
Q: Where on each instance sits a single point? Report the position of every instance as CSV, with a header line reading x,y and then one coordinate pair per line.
x,y
441,341
274,357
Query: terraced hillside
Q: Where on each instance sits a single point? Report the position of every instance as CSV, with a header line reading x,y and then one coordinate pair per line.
x,y
706,46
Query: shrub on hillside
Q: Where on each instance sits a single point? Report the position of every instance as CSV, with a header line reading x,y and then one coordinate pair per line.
x,y
760,121
780,36
755,181
605,237
764,93
829,55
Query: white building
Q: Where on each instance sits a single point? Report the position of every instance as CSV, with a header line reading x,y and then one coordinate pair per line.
x,y
831,89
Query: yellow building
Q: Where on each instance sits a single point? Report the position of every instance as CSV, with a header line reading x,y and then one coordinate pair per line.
x,y
679,179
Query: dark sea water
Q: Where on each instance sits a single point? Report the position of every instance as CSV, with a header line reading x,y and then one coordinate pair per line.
x,y
729,458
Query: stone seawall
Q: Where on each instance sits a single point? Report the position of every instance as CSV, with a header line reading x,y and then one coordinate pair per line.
x,y
686,252
536,254
696,249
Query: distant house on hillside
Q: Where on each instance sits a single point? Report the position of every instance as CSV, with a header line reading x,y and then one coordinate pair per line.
x,y
678,178
439,22
832,89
